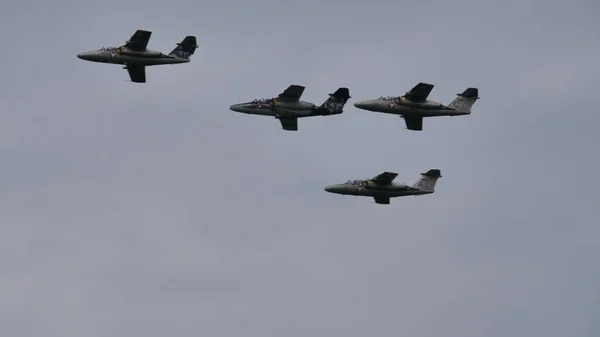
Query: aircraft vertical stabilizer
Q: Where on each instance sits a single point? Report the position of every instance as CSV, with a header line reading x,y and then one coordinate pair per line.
x,y
464,102
185,48
337,100
428,180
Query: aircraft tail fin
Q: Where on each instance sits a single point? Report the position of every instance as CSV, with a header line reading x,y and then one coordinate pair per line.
x,y
428,180
337,100
463,102
186,48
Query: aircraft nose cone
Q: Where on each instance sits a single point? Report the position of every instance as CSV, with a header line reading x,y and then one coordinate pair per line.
x,y
361,105
331,189
84,56
236,108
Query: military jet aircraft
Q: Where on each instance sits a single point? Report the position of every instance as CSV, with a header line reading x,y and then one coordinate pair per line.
x,y
382,187
414,105
135,56
287,107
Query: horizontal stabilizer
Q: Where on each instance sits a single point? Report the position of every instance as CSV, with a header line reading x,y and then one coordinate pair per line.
x,y
470,93
433,173
185,48
341,93
189,41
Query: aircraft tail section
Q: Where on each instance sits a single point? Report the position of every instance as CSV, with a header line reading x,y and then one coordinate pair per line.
x,y
465,101
186,48
336,101
428,180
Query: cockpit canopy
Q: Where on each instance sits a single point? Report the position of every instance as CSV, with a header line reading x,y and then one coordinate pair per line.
x,y
110,48
354,182
262,100
387,98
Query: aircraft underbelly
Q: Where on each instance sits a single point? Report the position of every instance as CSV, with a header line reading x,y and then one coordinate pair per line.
x,y
432,112
401,193
386,193
303,113
401,110
145,61
261,112
137,61
295,106
294,109
293,112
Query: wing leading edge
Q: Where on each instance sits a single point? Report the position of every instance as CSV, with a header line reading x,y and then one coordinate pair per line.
x,y
291,94
137,73
139,40
419,92
382,200
385,178
289,124
414,122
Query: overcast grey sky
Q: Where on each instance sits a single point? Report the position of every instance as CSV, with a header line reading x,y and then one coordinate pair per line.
x,y
154,210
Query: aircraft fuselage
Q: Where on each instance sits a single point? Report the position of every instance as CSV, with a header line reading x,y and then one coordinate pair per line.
x,y
402,106
272,107
369,189
127,57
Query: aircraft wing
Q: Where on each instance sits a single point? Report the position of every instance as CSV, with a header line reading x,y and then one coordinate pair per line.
x,y
139,40
137,73
385,178
291,94
419,93
414,122
289,124
382,200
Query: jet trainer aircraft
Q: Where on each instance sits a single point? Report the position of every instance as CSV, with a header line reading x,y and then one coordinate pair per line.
x,y
135,56
288,107
382,187
414,105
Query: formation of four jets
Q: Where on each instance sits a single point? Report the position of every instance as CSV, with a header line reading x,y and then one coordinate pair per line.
x,y
287,107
